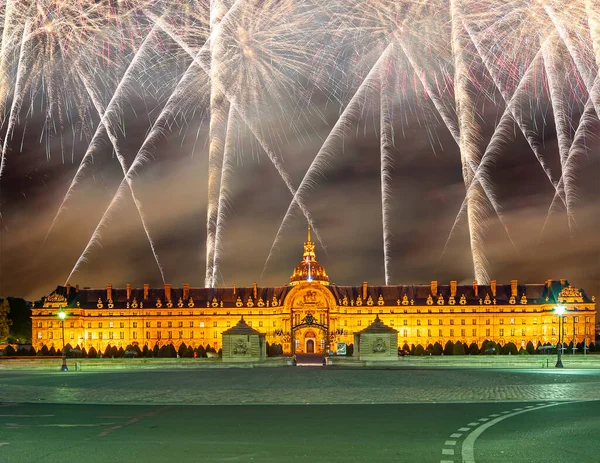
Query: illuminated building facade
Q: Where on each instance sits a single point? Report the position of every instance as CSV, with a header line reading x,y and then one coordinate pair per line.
x,y
311,315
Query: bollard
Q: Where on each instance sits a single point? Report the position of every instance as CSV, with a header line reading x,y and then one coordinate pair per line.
x,y
547,362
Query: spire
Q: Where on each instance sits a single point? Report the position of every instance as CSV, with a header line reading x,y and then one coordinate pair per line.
x,y
308,240
309,269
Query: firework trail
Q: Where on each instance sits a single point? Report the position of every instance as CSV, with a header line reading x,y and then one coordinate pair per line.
x,y
233,101
387,163
320,163
470,137
227,170
143,155
17,99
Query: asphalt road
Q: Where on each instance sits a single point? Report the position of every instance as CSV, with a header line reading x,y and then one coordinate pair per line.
x,y
436,432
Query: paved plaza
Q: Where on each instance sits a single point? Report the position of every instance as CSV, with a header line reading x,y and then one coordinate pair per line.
x,y
298,385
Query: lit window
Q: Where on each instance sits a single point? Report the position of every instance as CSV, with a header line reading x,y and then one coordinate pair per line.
x,y
110,324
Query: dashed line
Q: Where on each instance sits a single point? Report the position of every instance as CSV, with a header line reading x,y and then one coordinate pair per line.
x,y
494,415
464,429
456,435
450,442
473,424
4,443
447,451
483,419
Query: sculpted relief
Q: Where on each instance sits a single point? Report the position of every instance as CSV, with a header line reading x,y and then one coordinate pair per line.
x,y
379,346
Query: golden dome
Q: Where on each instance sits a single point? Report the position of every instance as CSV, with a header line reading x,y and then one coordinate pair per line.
x,y
309,269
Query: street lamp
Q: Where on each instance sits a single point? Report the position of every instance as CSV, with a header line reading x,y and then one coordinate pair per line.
x,y
559,310
62,315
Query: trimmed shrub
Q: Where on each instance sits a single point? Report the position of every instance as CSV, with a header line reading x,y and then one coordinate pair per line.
x,y
419,350
349,350
437,349
529,348
92,353
182,349
449,348
9,351
509,349
473,349
459,349
52,351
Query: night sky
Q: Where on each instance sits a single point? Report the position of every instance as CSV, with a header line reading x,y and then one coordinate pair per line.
x,y
346,204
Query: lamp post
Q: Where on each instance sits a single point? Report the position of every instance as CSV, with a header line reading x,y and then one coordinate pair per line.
x,y
559,310
62,315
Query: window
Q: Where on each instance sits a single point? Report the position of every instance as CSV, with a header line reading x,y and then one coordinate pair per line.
x,y
440,322
553,331
170,324
487,332
462,322
474,321
214,324
191,335
487,321
429,333
501,321
462,332
147,324
418,322
345,322
180,324
99,324
523,332
158,335
405,322
110,335
260,323
100,335
576,319
49,324
89,324
587,319
391,322
158,324
359,323
440,333
228,324
89,335
523,321
451,332
535,321
512,321
180,334
40,335
134,334
418,333
72,335
170,334
429,321
452,321
147,334
110,324
135,324
39,324
512,331
121,325
50,335
501,331
214,334
122,335
191,324
73,323
474,332
274,323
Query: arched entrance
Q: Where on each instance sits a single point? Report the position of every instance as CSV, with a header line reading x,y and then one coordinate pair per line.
x,y
309,342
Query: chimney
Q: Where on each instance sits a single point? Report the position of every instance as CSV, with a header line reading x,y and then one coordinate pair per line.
x,y
513,288
234,289
68,288
186,291
434,287
453,288
168,291
493,286
476,288
146,290
254,291
76,288
364,290
128,287
108,291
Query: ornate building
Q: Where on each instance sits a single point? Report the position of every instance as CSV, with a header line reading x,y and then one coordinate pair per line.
x,y
312,315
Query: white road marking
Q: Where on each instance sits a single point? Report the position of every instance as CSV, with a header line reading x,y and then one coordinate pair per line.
x,y
4,443
494,415
446,461
447,451
483,419
468,447
473,424
450,442
456,435
464,429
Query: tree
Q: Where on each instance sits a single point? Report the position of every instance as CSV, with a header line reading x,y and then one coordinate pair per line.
x,y
44,350
349,350
5,322
449,348
523,351
592,347
510,349
155,350
20,316
52,351
419,350
459,349
489,348
201,351
473,349
9,351
189,352
92,353
529,348
437,349
182,349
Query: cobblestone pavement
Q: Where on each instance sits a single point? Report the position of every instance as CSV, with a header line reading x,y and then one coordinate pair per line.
x,y
297,386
